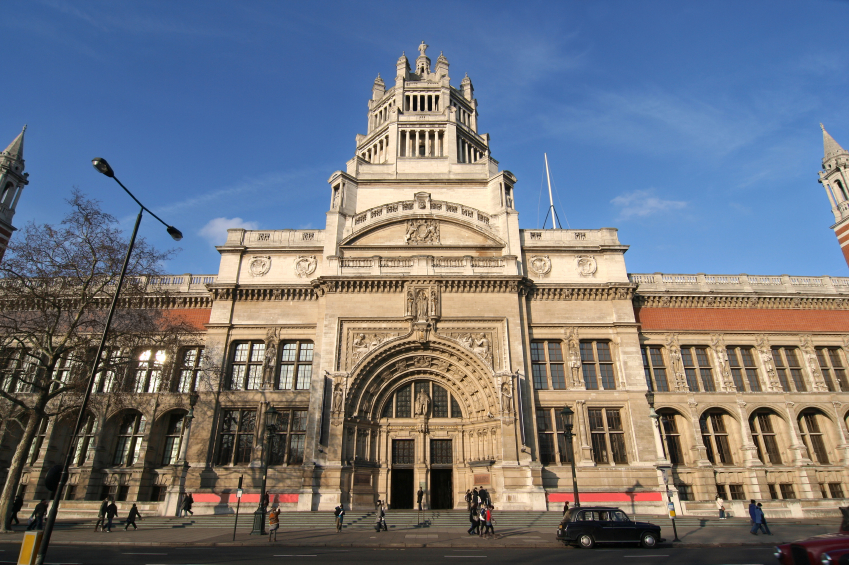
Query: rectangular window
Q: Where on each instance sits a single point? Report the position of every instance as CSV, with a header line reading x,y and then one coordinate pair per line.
x,y
547,361
545,431
773,491
833,370
235,442
149,370
744,371
763,435
697,369
671,438
287,447
722,492
836,490
296,359
191,360
715,438
787,491
736,492
157,493
685,492
655,368
402,451
246,367
812,436
608,437
787,367
597,365
440,452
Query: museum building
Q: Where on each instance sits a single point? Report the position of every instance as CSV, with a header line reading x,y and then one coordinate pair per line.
x,y
423,339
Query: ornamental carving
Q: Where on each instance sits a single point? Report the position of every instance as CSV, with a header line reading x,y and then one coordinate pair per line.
x,y
422,404
587,265
422,232
272,338
478,343
366,342
809,353
540,264
718,345
259,265
677,363
421,303
305,265
574,355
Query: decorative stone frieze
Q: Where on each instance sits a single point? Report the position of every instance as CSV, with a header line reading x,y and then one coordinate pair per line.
x,y
581,292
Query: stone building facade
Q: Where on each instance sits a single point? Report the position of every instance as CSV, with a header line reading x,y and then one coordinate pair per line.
x,y
423,339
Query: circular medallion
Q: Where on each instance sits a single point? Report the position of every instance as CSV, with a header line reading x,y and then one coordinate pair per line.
x,y
587,265
305,265
259,265
540,264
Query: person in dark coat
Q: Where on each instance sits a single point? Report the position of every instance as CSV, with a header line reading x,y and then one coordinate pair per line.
x,y
484,496
762,525
38,516
111,513
475,497
187,505
16,507
755,516
419,497
131,518
474,519
101,514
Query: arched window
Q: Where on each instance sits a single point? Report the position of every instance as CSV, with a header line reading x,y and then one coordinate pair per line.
x,y
811,424
671,436
715,438
149,370
6,190
173,438
762,424
442,403
842,189
130,436
84,442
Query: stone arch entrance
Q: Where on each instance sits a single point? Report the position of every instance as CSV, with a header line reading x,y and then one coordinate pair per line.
x,y
418,415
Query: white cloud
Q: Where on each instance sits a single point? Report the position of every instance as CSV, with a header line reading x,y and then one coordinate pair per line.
x,y
642,203
216,229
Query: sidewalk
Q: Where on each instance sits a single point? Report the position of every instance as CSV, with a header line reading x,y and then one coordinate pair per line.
x,y
410,536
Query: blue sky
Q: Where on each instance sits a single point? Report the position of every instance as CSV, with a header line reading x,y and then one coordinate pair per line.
x,y
691,127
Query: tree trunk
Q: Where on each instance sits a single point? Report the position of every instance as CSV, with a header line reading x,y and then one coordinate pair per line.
x,y
16,469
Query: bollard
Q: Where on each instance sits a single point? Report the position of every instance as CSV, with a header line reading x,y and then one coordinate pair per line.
x,y
29,548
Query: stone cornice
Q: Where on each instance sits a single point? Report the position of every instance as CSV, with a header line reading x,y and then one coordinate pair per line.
x,y
739,302
237,293
610,291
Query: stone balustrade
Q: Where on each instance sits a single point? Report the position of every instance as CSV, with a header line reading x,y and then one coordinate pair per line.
x,y
435,208
782,284
423,265
275,238
568,238
182,283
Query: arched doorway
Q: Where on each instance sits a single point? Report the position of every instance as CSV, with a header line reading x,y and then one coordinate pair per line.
x,y
419,417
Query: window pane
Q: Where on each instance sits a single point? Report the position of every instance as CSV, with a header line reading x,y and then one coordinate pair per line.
x,y
707,379
304,375
595,419
754,382
299,421
558,377
286,373
603,349
590,380
537,352
440,402
243,448
563,446
242,352
543,420
540,377
306,352
546,448
617,447
288,352
455,408
607,380
555,353
660,380
257,352
692,381
296,449
600,449
402,402
614,422
587,352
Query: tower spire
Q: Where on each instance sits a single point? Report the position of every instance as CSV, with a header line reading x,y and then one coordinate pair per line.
x,y
15,150
830,147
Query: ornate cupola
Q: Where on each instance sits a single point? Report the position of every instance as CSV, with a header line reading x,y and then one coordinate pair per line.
x,y
423,61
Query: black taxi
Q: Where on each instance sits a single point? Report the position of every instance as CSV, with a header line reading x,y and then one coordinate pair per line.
x,y
588,525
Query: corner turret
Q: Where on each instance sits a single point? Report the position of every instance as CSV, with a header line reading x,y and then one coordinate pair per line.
x,y
13,179
833,177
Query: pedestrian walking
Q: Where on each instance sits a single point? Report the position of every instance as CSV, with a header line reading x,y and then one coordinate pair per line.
x,y
484,495
475,497
490,527
273,522
131,518
468,500
762,524
474,519
37,517
16,507
380,519
565,507
340,517
482,520
720,505
101,514
755,517
419,497
111,514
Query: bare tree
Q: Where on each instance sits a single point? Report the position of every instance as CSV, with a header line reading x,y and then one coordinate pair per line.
x,y
56,284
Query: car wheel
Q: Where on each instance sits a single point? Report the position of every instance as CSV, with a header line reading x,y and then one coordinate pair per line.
x,y
648,540
586,541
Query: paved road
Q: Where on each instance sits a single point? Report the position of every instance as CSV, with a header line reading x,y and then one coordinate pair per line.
x,y
145,555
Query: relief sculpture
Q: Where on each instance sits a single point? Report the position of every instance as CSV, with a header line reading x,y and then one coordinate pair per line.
x,y
422,232
364,343
478,343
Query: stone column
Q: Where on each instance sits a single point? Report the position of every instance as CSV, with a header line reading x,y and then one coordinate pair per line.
x,y
698,443
750,458
797,447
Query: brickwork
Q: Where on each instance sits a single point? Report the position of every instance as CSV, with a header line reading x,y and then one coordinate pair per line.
x,y
743,319
197,317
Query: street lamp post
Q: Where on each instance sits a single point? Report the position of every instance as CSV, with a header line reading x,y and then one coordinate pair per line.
x,y
665,469
102,166
271,429
568,416
184,447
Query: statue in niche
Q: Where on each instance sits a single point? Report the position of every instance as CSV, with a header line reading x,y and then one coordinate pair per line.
x,y
337,398
422,404
421,306
433,302
410,303
506,397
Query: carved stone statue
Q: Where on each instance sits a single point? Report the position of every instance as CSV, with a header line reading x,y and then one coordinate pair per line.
x,y
433,302
421,305
410,304
422,404
506,397
337,398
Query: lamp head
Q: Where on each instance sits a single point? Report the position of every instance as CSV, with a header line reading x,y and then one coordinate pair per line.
x,y
270,418
101,165
175,234
650,398
193,398
567,415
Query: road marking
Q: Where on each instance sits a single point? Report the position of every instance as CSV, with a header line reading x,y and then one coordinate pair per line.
x,y
295,555
653,555
464,555
144,554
